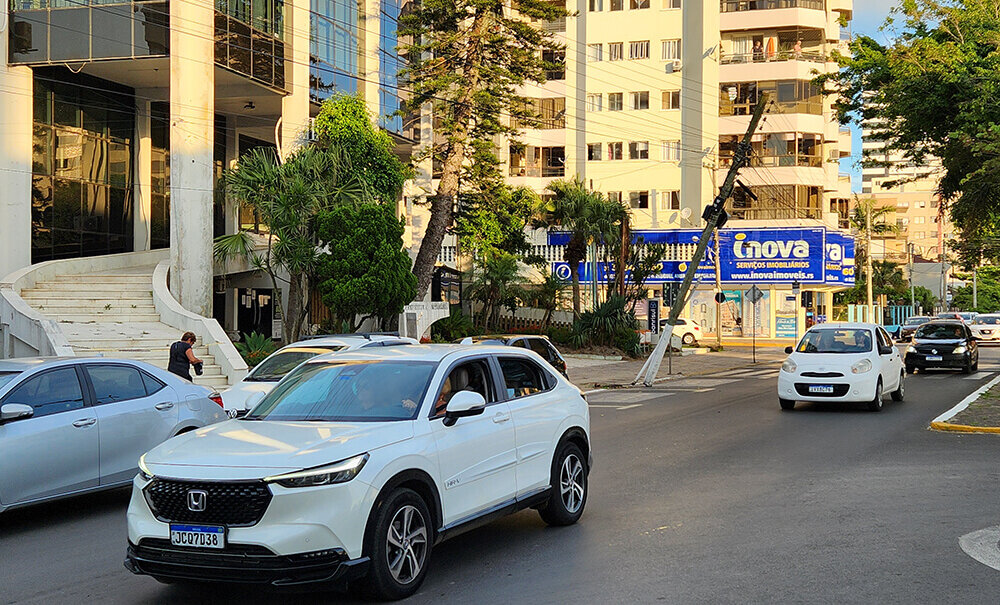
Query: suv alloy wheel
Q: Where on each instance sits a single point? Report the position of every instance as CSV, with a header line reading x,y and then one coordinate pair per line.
x,y
569,487
400,545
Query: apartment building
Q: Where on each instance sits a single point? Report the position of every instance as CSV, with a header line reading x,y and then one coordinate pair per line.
x,y
119,117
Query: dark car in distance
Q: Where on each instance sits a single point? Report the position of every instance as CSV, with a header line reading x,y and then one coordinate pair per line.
x,y
943,344
910,326
538,344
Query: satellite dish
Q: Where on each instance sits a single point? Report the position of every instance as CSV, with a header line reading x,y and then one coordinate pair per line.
x,y
686,213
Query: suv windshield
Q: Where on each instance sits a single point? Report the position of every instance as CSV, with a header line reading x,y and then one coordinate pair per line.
x,y
368,391
276,366
940,331
916,321
990,320
836,340
6,377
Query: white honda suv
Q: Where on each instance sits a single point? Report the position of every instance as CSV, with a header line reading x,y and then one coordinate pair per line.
x,y
357,464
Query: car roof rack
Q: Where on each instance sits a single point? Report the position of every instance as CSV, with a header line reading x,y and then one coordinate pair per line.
x,y
365,335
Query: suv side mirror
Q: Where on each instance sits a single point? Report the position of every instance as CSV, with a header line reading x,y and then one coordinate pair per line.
x,y
15,411
788,350
887,350
462,405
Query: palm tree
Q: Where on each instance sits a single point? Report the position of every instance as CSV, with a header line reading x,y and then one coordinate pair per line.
x,y
587,215
287,196
867,219
549,295
496,284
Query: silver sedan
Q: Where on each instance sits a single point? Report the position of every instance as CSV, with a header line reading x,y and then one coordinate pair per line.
x,y
72,425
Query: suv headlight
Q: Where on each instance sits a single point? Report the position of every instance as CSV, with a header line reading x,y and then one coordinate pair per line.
x,y
959,350
338,472
911,349
861,367
144,471
789,366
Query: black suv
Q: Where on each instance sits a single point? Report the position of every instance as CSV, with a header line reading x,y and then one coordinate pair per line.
x,y
943,344
538,344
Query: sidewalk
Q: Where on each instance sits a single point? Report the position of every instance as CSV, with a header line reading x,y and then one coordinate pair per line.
x,y
594,373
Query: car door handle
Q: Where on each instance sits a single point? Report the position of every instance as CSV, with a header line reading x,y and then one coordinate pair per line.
x,y
166,405
501,417
84,422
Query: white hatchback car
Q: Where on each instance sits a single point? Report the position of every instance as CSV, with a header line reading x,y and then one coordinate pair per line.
x,y
357,463
842,362
238,399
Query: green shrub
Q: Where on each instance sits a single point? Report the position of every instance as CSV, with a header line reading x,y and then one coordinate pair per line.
x,y
611,324
559,335
453,327
255,348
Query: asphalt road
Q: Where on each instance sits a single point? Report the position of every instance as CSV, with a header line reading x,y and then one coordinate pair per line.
x,y
703,491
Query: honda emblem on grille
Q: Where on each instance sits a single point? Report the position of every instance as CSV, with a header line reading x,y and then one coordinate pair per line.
x,y
197,499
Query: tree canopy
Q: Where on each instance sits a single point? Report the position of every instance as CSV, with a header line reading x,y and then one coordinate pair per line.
x,y
933,92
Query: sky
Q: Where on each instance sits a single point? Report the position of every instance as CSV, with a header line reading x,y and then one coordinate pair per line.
x,y
868,17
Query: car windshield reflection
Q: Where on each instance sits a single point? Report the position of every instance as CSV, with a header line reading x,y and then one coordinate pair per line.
x,y
934,331
276,366
836,340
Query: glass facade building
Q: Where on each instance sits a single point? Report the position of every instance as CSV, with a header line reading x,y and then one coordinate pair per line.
x,y
248,39
389,66
82,173
333,48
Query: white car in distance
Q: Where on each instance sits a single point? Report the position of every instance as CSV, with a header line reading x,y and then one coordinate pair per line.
x,y
986,327
357,464
242,396
842,362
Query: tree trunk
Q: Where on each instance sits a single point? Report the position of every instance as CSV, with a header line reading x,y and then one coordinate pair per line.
x,y
576,288
443,204
292,319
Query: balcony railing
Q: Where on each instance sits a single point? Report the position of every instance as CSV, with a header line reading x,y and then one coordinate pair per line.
x,y
735,6
814,56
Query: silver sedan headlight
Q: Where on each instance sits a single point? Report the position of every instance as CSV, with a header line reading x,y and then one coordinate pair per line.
x,y
338,472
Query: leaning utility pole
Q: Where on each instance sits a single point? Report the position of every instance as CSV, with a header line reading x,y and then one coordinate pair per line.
x,y
868,260
714,215
913,299
718,288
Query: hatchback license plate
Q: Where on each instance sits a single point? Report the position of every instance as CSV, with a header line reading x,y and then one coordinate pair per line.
x,y
198,536
933,358
820,388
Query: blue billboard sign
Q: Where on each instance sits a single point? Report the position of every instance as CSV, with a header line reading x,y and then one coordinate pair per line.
x,y
839,259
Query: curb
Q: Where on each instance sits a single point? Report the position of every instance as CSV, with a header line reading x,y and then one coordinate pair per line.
x,y
941,422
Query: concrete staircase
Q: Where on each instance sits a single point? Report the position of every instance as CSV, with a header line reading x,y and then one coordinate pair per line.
x,y
112,315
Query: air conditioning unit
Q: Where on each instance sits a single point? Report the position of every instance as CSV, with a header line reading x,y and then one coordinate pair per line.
x,y
672,66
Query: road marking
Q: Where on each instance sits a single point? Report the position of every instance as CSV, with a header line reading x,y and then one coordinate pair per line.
x,y
977,376
594,391
965,402
628,396
616,407
702,382
982,546
937,377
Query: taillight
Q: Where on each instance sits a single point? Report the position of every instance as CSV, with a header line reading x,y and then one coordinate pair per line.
x,y
216,398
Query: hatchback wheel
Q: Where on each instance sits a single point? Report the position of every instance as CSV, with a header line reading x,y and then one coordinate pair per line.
x,y
400,545
897,395
910,368
569,487
688,339
875,404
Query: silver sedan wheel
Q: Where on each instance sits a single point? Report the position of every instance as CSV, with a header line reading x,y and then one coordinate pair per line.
x,y
571,483
406,547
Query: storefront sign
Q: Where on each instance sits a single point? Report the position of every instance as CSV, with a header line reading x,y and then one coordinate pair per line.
x,y
839,259
784,326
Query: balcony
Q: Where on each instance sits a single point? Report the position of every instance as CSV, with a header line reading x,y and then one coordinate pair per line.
x,y
735,6
742,15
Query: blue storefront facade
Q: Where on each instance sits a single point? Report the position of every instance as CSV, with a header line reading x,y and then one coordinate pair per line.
x,y
816,261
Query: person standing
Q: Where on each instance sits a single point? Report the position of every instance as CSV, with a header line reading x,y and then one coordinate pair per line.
x,y
182,356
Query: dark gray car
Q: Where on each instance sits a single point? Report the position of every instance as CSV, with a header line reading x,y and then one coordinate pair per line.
x,y
74,425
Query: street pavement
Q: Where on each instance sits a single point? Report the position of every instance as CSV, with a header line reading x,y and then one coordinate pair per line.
x,y
703,491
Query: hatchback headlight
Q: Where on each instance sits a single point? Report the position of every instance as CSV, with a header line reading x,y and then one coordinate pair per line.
x,y
911,349
959,350
861,367
338,472
789,366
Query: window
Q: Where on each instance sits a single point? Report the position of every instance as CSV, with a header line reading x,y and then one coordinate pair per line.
x,y
543,348
614,151
670,99
615,197
596,5
153,385
919,220
902,222
671,151
639,49
640,99
594,102
615,101
670,200
670,49
671,3
594,152
638,199
521,377
638,150
115,383
616,51
473,376
617,5
921,204
50,392
532,161
595,52
637,4
556,64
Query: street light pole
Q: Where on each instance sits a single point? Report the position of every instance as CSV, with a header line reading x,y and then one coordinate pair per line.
x,y
913,300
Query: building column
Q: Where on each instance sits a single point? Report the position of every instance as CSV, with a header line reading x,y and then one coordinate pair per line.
x,y
295,106
142,189
16,115
700,135
192,130
576,90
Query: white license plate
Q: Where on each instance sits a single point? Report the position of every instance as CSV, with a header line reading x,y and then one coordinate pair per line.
x,y
820,388
933,358
198,536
